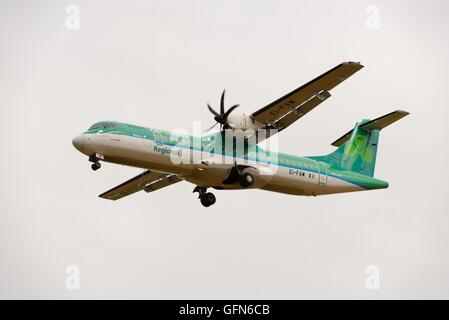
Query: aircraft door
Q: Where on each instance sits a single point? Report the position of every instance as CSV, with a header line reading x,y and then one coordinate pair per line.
x,y
322,173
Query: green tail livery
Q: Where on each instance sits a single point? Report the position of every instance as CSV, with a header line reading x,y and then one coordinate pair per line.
x,y
349,168
357,149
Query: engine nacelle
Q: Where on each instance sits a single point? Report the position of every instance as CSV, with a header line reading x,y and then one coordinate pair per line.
x,y
242,121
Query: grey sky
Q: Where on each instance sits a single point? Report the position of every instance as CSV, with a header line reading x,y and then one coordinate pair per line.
x,y
157,63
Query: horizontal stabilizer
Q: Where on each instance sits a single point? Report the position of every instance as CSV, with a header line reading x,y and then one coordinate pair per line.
x,y
378,123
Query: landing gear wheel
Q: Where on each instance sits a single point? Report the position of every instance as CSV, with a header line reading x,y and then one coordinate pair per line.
x,y
246,180
208,199
95,166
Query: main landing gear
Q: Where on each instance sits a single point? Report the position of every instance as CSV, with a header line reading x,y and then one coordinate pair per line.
x,y
246,180
207,198
238,175
96,162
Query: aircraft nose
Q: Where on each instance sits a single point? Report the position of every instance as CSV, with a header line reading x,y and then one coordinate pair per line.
x,y
79,142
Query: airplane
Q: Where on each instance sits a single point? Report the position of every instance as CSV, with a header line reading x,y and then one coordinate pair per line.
x,y
349,168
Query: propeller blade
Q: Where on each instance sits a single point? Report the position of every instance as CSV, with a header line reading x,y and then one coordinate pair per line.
x,y
221,117
215,113
229,111
212,127
222,111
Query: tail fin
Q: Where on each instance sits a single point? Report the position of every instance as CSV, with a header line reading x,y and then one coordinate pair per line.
x,y
357,149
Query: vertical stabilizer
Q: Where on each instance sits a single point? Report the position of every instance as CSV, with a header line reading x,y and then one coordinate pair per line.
x,y
357,149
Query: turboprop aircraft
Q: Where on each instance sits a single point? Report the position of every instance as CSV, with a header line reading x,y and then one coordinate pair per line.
x,y
232,158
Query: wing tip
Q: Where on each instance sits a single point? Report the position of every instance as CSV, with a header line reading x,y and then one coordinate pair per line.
x,y
103,196
402,112
354,63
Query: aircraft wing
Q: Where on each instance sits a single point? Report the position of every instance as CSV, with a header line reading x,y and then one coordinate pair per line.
x,y
294,105
148,181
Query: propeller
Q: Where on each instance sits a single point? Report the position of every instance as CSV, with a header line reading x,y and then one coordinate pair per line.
x,y
222,117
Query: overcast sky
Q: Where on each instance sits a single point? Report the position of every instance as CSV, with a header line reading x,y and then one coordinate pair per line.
x,y
157,64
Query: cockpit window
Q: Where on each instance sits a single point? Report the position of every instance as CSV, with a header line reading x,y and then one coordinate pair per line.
x,y
103,125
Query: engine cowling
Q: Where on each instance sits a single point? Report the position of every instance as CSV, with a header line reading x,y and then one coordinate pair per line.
x,y
242,121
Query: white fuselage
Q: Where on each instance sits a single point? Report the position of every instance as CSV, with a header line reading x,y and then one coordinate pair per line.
x,y
198,166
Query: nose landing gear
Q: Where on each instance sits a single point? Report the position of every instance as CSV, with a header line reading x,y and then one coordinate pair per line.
x,y
95,158
207,198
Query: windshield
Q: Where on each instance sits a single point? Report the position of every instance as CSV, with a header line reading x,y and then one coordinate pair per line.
x,y
103,125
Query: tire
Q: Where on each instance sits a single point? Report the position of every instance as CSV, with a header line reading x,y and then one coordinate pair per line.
x,y
95,166
246,180
208,199
204,202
